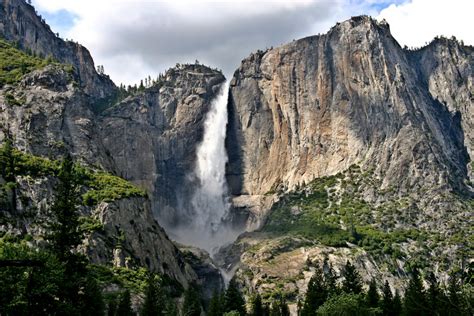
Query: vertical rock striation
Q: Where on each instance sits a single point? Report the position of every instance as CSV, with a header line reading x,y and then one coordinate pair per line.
x,y
19,23
318,105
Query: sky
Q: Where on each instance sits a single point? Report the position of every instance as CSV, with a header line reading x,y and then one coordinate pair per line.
x,y
136,38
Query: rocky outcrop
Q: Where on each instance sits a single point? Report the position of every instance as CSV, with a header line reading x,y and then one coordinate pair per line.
x,y
148,138
446,67
152,137
315,106
52,121
20,23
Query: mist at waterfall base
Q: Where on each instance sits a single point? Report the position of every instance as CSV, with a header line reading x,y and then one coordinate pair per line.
x,y
208,224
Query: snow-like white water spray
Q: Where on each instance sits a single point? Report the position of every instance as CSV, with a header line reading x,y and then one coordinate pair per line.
x,y
209,203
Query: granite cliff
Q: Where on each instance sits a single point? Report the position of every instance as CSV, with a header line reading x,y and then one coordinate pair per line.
x,y
148,138
341,146
318,105
347,146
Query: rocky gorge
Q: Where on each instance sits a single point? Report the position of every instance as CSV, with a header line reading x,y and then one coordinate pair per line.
x,y
341,146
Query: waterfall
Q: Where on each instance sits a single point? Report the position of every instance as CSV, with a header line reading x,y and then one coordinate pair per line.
x,y
209,200
207,228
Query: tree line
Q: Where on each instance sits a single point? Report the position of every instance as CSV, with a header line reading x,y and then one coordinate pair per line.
x,y
56,279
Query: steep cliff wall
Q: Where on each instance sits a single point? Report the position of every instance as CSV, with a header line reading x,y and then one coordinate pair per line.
x,y
152,137
148,138
315,106
346,146
19,23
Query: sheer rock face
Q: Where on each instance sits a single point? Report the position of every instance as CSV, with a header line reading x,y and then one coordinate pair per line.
x,y
446,68
53,121
152,137
149,139
352,96
19,23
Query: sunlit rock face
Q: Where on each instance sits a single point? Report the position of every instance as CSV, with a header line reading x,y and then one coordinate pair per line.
x,y
318,105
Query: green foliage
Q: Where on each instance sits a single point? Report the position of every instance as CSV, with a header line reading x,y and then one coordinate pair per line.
x,y
332,211
89,224
11,100
155,301
192,302
352,282
105,187
347,304
415,301
372,294
279,307
135,279
102,186
34,166
29,288
233,299
386,303
64,233
257,306
125,305
14,63
316,294
216,307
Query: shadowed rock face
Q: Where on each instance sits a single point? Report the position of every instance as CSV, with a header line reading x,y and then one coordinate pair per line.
x,y
149,139
352,96
19,23
152,137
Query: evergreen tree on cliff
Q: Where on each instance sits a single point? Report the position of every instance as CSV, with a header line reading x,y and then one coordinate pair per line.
x,y
154,300
372,294
192,302
316,294
257,306
352,281
233,299
125,305
215,305
414,302
386,303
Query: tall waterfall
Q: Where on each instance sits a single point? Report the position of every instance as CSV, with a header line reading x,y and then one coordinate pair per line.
x,y
209,202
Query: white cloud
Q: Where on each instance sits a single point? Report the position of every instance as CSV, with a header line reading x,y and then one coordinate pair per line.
x,y
137,38
419,21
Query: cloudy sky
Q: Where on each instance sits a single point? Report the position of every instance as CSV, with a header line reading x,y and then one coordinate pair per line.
x,y
137,38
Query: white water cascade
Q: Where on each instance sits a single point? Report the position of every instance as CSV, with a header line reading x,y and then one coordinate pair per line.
x,y
210,204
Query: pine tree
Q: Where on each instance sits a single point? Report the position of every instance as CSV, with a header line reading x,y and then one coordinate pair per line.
x,y
434,295
215,305
65,234
414,302
279,307
387,300
454,289
192,302
397,304
233,299
7,172
372,294
125,305
330,278
154,300
316,294
112,307
92,302
257,306
352,281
